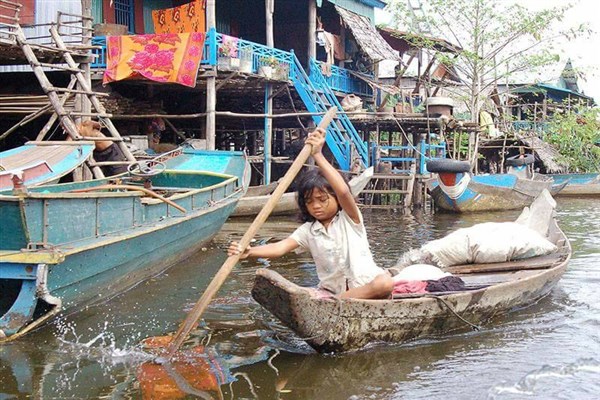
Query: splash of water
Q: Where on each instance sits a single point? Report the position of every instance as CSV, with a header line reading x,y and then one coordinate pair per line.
x,y
527,384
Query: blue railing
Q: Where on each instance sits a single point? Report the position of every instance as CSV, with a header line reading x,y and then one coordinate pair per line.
x,y
530,126
100,61
344,81
251,57
427,152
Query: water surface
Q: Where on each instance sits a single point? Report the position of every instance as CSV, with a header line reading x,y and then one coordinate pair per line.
x,y
550,350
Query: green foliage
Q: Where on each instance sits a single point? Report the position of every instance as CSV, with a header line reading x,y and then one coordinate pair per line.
x,y
575,135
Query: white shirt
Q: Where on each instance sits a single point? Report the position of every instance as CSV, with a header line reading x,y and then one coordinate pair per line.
x,y
341,252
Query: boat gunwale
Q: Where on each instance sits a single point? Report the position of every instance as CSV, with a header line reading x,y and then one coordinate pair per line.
x,y
66,249
75,195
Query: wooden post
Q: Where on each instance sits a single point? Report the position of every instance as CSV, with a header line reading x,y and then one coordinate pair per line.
x,y
211,91
312,29
87,22
269,8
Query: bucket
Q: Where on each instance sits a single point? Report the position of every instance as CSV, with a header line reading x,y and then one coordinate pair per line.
x,y
439,106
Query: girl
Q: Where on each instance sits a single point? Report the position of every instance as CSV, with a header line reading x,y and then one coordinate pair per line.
x,y
333,232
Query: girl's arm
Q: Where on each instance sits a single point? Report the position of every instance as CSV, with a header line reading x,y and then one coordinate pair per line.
x,y
339,186
271,250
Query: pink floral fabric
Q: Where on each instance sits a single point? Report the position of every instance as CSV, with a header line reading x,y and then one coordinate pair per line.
x,y
171,57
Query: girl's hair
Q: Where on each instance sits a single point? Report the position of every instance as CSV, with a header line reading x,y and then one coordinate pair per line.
x,y
310,180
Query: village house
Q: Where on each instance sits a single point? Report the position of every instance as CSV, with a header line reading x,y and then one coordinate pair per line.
x,y
291,60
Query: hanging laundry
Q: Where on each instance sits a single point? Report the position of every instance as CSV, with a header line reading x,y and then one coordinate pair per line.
x,y
190,17
163,58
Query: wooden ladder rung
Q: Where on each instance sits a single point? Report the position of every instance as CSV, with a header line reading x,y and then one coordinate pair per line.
x,y
88,114
67,90
61,67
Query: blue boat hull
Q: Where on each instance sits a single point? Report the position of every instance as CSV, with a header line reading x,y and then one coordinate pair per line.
x,y
485,192
578,184
86,243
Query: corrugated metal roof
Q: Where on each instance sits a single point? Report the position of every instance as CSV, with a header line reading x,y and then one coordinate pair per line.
x,y
45,12
367,37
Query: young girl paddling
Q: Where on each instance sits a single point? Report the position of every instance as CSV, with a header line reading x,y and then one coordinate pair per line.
x,y
333,232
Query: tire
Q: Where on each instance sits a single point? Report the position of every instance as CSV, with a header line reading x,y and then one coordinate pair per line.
x,y
517,161
447,165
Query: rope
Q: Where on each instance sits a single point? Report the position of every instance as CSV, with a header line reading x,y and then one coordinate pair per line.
x,y
444,302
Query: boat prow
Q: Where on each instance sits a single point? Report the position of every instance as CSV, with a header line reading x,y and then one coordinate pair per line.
x,y
457,190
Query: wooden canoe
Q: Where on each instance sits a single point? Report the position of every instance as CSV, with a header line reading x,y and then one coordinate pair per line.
x,y
333,325
251,205
64,246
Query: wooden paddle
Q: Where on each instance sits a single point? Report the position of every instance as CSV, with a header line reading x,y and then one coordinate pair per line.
x,y
194,315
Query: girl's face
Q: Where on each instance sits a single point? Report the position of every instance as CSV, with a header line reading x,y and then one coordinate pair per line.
x,y
322,205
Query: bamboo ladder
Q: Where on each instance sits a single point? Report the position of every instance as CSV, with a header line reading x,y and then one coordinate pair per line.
x,y
65,117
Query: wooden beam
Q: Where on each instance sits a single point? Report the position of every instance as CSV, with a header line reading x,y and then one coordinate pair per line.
x,y
211,90
312,29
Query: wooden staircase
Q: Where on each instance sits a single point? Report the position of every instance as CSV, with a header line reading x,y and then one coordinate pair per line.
x,y
390,190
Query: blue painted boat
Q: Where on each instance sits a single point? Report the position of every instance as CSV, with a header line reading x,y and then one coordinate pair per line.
x,y
63,246
578,184
40,163
457,190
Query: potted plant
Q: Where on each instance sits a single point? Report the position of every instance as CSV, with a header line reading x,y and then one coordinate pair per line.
x,y
267,66
228,54
390,104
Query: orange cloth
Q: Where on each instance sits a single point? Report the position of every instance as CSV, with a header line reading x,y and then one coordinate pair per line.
x,y
181,378
190,17
162,58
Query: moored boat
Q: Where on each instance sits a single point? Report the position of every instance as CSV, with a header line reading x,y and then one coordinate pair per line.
x,y
39,163
578,184
250,205
329,324
66,245
457,190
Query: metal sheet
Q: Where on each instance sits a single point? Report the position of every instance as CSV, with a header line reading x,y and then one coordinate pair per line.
x,y
45,12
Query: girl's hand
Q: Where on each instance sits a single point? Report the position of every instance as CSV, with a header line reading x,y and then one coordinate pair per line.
x,y
235,249
317,140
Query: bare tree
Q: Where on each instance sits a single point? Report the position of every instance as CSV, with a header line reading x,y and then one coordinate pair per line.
x,y
498,39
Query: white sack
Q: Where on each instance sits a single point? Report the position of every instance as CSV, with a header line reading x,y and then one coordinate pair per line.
x,y
488,243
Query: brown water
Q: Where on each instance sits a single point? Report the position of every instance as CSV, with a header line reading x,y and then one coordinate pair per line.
x,y
550,350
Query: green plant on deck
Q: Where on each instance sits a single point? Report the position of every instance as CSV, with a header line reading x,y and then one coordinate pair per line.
x,y
575,134
269,61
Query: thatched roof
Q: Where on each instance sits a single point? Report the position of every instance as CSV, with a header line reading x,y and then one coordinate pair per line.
x,y
547,154
367,37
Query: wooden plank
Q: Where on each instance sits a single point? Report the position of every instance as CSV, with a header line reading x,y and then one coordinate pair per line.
x,y
540,262
383,191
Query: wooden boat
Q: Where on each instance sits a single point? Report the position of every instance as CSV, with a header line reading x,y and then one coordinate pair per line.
x,y
42,162
578,184
69,244
334,325
457,190
251,205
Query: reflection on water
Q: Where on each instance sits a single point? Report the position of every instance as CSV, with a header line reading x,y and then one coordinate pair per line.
x,y
548,350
